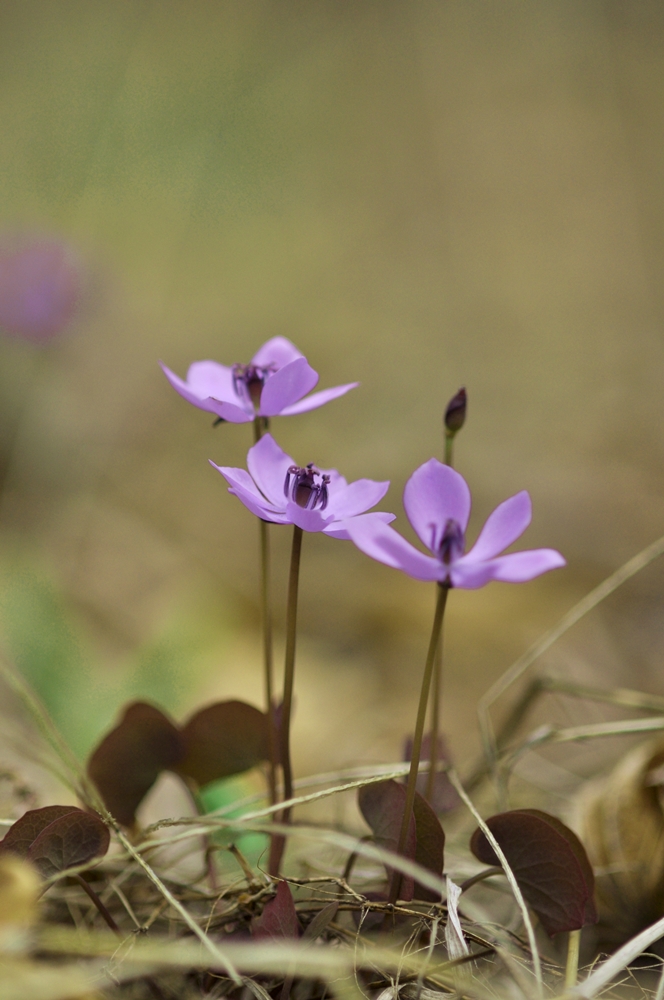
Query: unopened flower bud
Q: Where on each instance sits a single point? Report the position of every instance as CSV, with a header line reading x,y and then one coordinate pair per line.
x,y
455,414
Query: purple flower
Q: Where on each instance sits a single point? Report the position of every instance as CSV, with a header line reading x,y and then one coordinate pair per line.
x,y
276,489
437,502
39,287
271,385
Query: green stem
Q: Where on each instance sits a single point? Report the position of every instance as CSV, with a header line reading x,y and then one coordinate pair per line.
x,y
572,967
443,589
266,621
289,666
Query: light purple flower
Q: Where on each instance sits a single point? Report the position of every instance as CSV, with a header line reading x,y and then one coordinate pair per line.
x,y
272,384
437,502
276,489
40,284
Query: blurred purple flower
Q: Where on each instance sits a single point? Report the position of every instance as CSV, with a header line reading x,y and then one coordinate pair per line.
x,y
277,490
437,502
271,385
39,288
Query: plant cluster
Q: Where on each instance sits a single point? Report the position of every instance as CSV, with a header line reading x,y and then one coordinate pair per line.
x,y
409,932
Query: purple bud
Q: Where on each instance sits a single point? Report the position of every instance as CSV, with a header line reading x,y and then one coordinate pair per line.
x,y
455,414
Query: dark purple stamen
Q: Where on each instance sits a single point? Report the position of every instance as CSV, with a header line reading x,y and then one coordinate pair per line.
x,y
301,487
451,545
248,381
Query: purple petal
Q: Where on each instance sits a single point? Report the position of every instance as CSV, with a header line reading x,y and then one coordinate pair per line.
x,y
231,412
308,520
278,352
339,529
243,487
434,494
521,566
239,479
317,399
268,465
471,575
209,378
286,386
376,539
234,414
507,523
356,498
186,393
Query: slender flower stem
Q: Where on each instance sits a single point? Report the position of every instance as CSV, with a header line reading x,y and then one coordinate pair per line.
x,y
438,669
87,888
278,842
449,448
289,666
443,589
266,621
437,684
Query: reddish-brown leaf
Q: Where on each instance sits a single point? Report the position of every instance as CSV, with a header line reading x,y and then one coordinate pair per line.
x,y
430,850
279,917
223,739
549,863
129,760
444,796
382,805
56,838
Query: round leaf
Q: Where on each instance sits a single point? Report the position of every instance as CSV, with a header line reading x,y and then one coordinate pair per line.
x,y
549,863
129,760
56,838
223,739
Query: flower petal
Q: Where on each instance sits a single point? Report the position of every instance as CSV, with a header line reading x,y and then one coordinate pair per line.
x,y
286,386
242,486
308,520
239,479
507,523
378,540
517,567
268,465
471,575
209,378
339,529
187,393
231,412
317,399
278,352
434,494
356,498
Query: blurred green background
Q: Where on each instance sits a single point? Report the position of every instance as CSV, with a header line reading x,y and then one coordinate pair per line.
x,y
421,196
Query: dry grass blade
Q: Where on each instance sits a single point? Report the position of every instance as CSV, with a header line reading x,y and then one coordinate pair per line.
x,y
577,734
584,606
537,965
268,957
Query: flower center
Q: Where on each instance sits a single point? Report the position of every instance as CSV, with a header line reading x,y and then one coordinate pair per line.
x,y
248,381
301,487
452,543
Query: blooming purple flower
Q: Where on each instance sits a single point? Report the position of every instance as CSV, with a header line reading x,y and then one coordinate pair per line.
x,y
276,489
272,384
437,502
